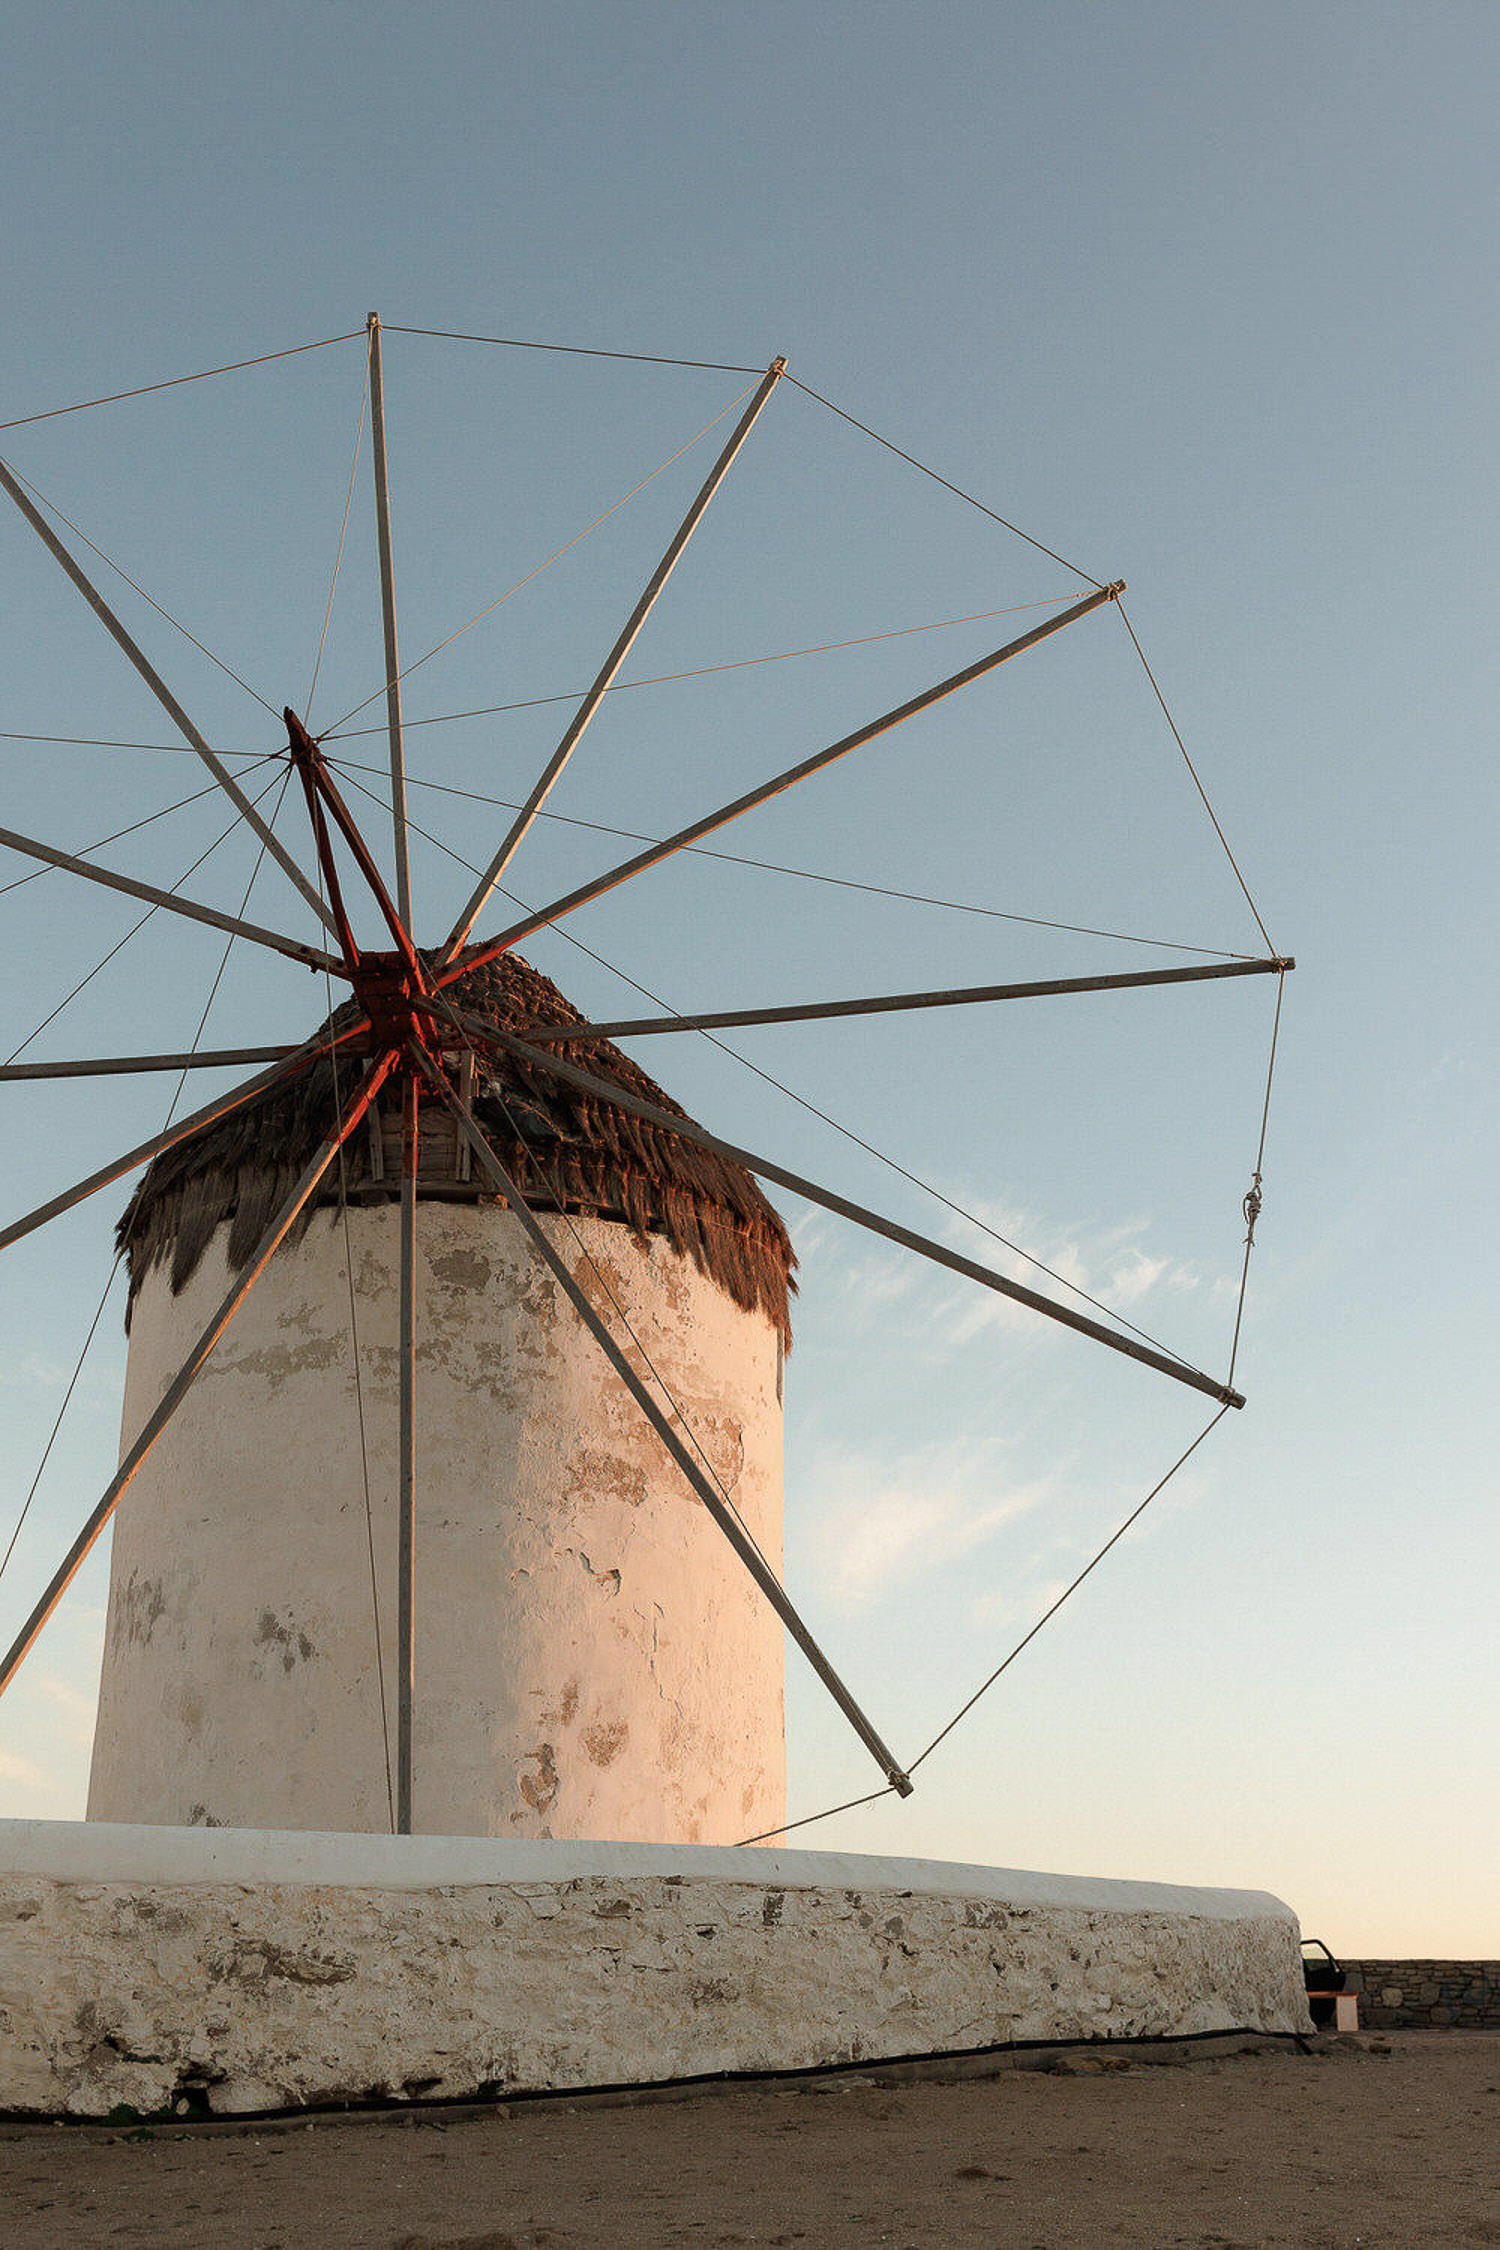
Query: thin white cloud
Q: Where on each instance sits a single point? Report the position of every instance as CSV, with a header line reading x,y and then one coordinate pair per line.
x,y
78,1709
13,1767
97,1389
1114,1265
882,1524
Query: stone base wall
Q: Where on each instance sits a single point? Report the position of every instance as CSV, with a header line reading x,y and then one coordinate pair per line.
x,y
168,1969
1404,1995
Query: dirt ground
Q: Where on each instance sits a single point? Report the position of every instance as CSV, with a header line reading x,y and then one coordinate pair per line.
x,y
1387,2141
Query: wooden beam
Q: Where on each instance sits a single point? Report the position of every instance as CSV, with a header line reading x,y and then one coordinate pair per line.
x,y
311,956
107,1066
406,1482
605,1089
641,1027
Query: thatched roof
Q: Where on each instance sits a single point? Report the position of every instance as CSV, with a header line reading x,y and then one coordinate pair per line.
x,y
563,1148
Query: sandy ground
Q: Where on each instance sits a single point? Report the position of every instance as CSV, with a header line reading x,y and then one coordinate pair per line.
x,y
1389,2141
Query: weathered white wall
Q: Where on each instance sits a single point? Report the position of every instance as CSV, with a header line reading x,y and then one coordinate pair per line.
x,y
150,1966
592,1659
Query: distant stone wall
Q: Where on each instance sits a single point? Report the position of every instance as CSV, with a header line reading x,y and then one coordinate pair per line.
x,y
1405,1995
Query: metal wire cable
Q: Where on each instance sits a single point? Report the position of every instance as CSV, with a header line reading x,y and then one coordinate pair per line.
x,y
1193,770
364,401
350,766
1040,545
1252,1212
576,351
18,882
120,572
120,943
1050,1612
970,1217
808,1818
173,382
1252,1203
438,647
111,742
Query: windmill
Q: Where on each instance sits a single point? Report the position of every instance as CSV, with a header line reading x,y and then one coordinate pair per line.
x,y
423,1036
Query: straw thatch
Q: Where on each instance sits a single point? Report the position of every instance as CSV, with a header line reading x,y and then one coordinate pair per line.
x,y
564,1149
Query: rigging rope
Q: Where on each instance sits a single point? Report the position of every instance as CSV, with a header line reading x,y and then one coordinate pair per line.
x,y
340,733
110,742
1253,1196
1068,1591
364,401
701,672
439,646
808,1819
576,351
62,1410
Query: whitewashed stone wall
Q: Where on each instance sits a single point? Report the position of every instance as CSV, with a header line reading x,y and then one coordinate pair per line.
x,y
153,1967
592,1658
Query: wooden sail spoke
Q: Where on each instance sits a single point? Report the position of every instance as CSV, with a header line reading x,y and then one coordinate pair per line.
x,y
712,1499
887,1003
586,893
609,1090
406,1485
110,1066
459,934
177,1390
311,956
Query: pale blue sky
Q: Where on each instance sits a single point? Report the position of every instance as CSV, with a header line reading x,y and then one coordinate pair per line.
x,y
1203,298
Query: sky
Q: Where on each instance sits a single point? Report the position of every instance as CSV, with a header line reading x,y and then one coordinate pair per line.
x,y
1200,299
